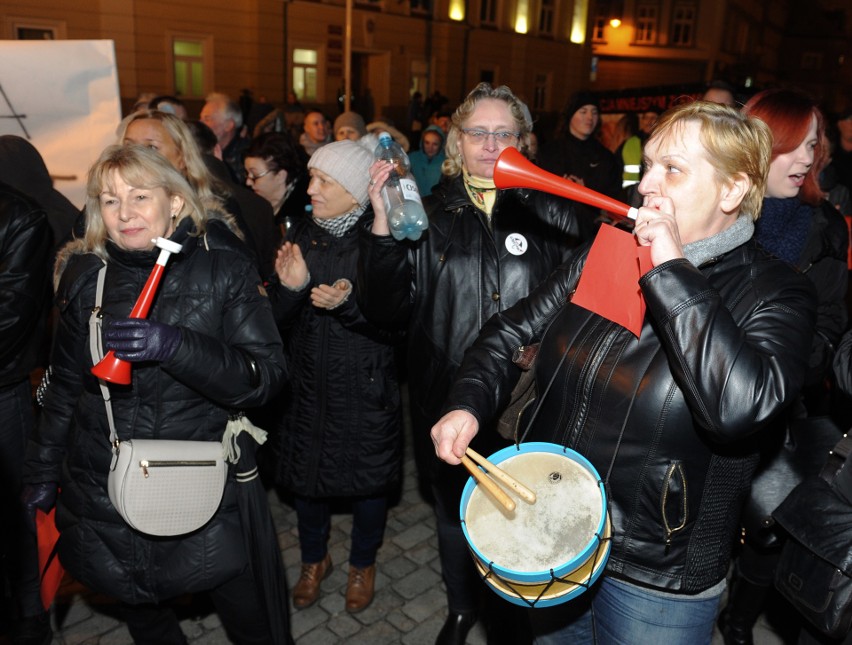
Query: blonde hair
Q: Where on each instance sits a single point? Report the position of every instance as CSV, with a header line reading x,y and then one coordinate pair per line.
x,y
199,177
452,165
735,144
140,167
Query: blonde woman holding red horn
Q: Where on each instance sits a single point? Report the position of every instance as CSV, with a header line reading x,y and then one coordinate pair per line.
x,y
208,346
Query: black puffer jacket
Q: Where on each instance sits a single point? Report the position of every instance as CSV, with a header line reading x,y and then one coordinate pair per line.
x,y
723,348
463,270
342,433
212,292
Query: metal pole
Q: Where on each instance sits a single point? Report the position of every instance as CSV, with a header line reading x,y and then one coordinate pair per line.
x,y
347,58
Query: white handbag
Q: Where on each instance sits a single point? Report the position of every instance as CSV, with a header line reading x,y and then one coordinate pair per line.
x,y
163,487
159,486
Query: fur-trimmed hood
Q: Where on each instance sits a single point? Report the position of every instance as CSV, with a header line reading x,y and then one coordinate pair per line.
x,y
184,229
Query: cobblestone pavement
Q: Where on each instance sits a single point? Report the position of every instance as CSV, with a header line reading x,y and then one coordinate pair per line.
x,y
409,606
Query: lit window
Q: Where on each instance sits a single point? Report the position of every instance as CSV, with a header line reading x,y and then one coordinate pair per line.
x,y
305,73
188,60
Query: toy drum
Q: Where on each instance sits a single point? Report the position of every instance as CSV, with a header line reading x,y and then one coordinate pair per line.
x,y
546,553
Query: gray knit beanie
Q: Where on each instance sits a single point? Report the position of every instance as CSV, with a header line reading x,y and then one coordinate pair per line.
x,y
348,163
353,120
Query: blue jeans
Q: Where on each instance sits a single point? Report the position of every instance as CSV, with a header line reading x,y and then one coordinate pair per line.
x,y
369,517
613,612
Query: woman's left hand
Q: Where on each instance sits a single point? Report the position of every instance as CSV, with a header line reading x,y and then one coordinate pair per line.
x,y
656,227
329,297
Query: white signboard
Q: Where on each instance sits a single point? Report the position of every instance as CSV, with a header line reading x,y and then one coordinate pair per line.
x,y
61,95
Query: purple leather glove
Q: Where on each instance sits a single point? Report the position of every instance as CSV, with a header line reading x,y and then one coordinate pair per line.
x,y
37,496
140,339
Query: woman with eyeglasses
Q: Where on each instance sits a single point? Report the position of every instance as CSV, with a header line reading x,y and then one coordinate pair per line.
x,y
484,250
276,169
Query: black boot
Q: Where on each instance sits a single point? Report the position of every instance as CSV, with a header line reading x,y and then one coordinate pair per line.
x,y
745,603
455,629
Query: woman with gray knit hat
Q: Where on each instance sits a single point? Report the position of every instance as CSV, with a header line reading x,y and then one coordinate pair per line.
x,y
576,153
341,432
349,125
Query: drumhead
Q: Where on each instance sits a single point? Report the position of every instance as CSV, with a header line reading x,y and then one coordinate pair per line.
x,y
558,532
557,591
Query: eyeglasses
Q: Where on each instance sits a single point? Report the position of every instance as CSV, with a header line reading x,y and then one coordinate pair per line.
x,y
501,137
252,177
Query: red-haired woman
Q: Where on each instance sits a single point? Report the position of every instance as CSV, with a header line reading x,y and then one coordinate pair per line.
x,y
800,227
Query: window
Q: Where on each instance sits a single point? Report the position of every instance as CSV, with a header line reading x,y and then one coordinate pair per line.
x,y
305,74
540,92
683,24
811,60
35,29
188,57
600,22
646,23
189,68
488,12
545,17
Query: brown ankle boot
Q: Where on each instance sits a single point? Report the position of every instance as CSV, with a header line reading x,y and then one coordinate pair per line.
x,y
307,589
359,590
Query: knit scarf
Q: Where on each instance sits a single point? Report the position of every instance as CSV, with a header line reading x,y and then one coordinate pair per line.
x,y
338,226
783,227
735,235
482,192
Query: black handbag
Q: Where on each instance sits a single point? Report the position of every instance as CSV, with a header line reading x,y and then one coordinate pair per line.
x,y
815,569
523,394
802,452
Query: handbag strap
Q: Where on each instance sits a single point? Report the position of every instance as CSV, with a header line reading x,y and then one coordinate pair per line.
x,y
97,350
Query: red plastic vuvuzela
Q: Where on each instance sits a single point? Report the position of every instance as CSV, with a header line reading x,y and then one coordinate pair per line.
x,y
513,170
113,369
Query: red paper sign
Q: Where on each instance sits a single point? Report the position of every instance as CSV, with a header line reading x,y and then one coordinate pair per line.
x,y
609,284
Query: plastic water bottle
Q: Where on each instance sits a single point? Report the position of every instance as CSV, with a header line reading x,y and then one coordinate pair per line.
x,y
406,217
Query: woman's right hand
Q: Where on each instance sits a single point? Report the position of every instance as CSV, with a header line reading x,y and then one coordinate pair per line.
x,y
453,434
379,173
290,266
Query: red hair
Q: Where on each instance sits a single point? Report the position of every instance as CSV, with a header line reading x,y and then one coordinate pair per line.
x,y
788,114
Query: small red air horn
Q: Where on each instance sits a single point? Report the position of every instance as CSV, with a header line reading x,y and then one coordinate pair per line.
x,y
513,170
113,369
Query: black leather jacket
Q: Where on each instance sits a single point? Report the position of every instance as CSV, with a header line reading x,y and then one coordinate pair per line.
x,y
25,247
723,348
444,287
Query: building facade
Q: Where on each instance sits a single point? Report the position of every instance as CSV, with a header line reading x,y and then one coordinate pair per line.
x,y
388,49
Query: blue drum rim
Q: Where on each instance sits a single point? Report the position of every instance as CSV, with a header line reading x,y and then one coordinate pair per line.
x,y
563,569
552,601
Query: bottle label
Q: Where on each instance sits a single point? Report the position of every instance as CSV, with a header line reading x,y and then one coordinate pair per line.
x,y
409,189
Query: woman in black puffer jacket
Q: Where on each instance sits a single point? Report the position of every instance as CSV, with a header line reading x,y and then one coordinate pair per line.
x,y
341,435
208,346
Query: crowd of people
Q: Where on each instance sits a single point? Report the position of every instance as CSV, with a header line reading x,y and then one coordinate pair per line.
x,y
290,302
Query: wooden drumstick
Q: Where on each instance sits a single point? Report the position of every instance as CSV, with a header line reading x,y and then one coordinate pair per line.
x,y
525,493
496,492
